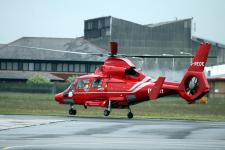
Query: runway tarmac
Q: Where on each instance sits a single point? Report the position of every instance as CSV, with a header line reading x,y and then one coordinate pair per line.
x,y
22,132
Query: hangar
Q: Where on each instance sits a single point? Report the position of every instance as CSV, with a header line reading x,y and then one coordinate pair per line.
x,y
25,62
165,38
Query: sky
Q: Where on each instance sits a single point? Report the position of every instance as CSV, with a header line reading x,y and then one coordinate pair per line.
x,y
65,18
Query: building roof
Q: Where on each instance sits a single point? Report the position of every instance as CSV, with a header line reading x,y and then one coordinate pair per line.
x,y
24,75
65,44
198,39
217,78
166,22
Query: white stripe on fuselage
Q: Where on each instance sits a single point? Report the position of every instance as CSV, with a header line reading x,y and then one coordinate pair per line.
x,y
139,83
141,86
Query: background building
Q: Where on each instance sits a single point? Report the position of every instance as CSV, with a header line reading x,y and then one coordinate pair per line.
x,y
168,38
18,63
165,38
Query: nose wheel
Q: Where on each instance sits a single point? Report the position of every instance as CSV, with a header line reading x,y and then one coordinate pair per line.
x,y
72,110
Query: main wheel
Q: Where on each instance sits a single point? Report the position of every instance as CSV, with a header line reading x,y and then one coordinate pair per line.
x,y
130,115
72,111
106,112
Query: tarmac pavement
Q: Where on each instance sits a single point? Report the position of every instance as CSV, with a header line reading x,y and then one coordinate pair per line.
x,y
21,132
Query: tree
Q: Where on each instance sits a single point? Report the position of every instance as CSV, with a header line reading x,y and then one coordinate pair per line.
x,y
38,80
71,79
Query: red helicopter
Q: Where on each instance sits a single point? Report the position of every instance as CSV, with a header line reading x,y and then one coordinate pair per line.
x,y
117,84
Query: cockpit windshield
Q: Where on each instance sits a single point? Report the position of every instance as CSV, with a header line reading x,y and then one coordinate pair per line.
x,y
71,86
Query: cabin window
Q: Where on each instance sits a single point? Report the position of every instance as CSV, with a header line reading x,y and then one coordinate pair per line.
x,y
83,84
97,83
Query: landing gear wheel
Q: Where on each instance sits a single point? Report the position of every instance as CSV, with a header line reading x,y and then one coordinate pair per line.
x,y
106,112
130,115
72,111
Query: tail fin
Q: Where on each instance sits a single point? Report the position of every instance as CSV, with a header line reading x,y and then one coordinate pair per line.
x,y
194,84
200,59
155,91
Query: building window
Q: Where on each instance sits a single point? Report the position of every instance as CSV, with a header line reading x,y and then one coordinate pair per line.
x,y
65,67
92,68
82,68
43,66
25,66
107,22
9,65
3,65
31,66
59,67
99,24
20,66
37,67
107,32
97,66
70,67
15,66
89,25
54,67
49,67
76,68
185,24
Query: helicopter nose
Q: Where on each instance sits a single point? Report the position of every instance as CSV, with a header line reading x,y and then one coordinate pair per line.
x,y
59,97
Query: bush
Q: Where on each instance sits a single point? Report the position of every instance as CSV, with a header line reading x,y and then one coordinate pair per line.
x,y
38,80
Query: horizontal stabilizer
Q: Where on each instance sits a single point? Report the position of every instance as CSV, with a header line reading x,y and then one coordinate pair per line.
x,y
155,91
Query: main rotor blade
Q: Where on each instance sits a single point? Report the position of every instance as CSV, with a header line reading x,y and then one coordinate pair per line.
x,y
101,55
164,56
61,51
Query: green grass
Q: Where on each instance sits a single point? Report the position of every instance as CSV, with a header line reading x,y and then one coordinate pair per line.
x,y
164,108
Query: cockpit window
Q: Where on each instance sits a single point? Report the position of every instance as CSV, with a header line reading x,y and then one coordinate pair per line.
x,y
71,87
97,83
83,84
131,71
